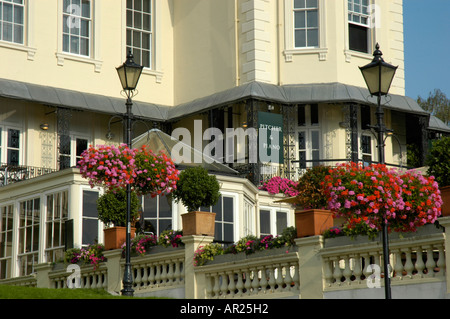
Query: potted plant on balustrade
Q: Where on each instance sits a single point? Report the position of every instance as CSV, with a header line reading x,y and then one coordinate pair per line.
x,y
364,196
114,168
438,162
312,216
195,189
112,211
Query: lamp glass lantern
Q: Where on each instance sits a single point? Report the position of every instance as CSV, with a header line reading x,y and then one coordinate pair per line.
x,y
129,73
378,74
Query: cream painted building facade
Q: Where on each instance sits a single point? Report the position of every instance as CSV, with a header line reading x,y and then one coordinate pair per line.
x,y
227,63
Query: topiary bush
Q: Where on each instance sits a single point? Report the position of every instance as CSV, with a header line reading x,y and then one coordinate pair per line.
x,y
438,161
196,188
112,208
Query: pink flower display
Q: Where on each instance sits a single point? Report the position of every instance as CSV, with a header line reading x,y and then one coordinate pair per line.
x,y
367,195
277,185
116,167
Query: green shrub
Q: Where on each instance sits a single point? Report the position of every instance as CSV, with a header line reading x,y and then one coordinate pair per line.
x,y
438,161
196,188
112,208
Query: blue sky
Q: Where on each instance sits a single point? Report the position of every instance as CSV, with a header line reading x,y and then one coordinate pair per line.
x,y
427,46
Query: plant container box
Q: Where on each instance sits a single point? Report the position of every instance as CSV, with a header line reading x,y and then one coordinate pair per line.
x,y
115,237
445,195
198,223
312,222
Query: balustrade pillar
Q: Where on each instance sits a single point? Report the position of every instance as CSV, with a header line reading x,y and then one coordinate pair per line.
x,y
310,267
195,283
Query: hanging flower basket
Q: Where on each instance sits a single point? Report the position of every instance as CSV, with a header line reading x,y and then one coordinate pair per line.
x,y
117,167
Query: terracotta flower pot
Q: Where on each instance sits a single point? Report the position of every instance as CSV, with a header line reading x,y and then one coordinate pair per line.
x,y
114,237
445,195
312,222
198,223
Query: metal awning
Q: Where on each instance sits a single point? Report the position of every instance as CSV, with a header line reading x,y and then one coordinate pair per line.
x,y
57,97
285,94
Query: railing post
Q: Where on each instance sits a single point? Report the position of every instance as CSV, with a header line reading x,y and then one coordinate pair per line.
x,y
114,274
310,267
445,222
194,284
42,272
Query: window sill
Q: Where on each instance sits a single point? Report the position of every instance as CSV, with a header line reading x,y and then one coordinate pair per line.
x,y
61,57
349,54
19,47
322,52
157,74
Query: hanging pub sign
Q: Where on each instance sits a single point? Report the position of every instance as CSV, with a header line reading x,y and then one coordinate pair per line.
x,y
270,138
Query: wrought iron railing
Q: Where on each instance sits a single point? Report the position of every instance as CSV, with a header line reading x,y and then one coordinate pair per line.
x,y
15,173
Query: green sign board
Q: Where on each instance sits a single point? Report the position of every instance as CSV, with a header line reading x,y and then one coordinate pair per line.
x,y
270,137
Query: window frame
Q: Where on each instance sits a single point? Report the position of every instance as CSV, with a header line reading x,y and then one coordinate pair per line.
x,y
51,250
22,251
73,150
94,56
22,5
7,258
79,18
290,50
4,138
158,218
157,54
371,33
273,218
309,127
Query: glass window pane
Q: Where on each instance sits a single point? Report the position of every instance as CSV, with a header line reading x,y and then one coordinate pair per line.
x,y
300,19
136,39
129,18
165,206
315,140
90,204
13,138
228,209
228,233
150,206
86,8
137,23
314,114
218,209
147,22
300,38
281,222
7,32
85,28
13,157
7,12
312,18
138,5
311,3
82,145
301,141
18,15
299,4
90,231
313,38
264,222
147,6
165,224
74,44
84,47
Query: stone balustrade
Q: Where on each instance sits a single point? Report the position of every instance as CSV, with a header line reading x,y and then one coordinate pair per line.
x,y
358,264
313,268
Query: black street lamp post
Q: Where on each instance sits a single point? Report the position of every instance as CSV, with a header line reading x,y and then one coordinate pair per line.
x,y
129,74
378,76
